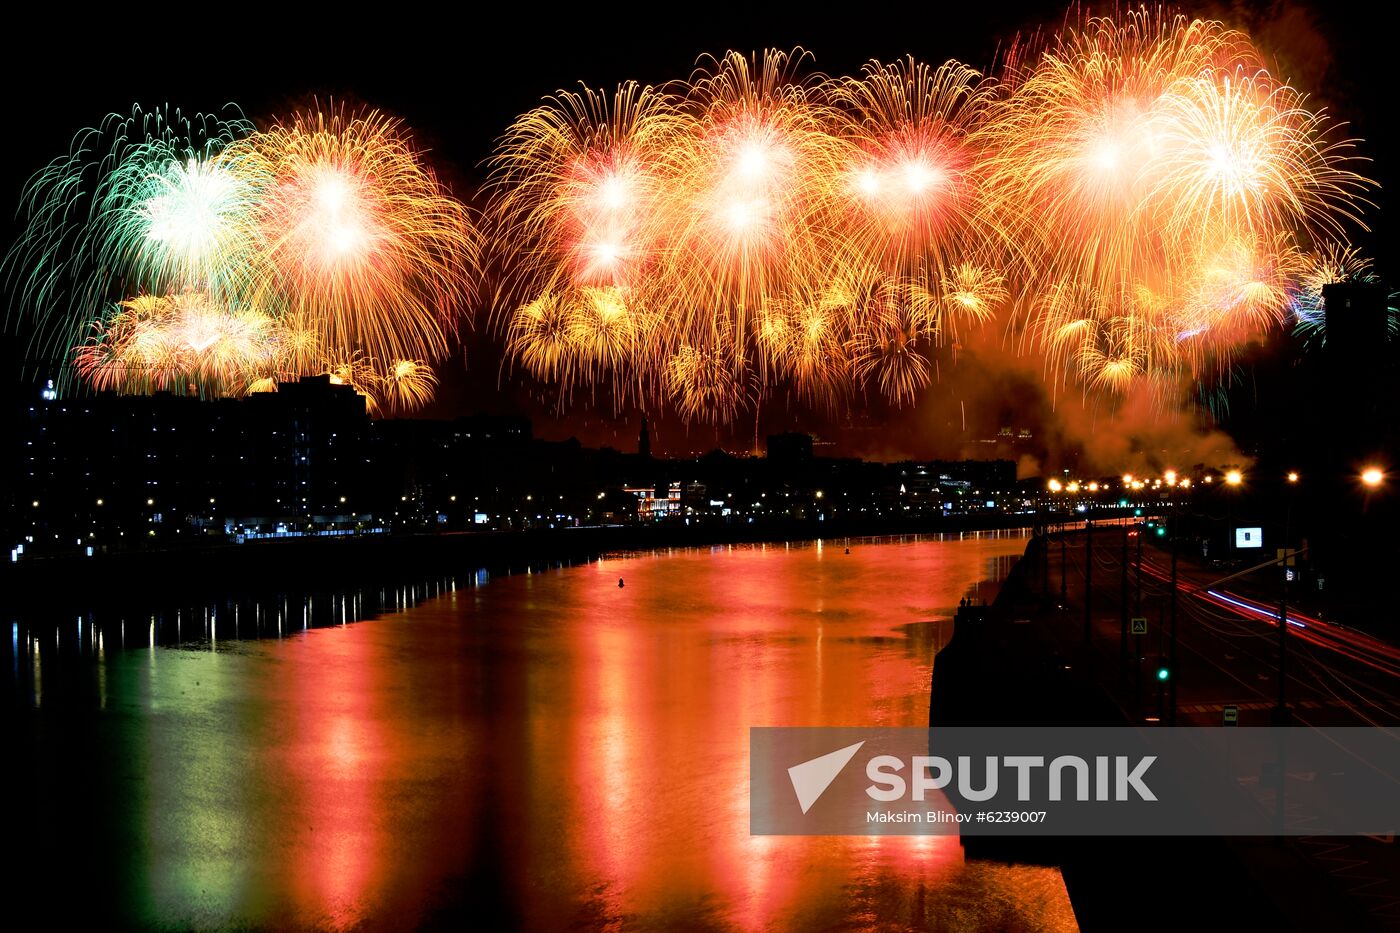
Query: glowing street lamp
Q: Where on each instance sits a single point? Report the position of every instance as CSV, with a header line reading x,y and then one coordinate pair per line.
x,y
1234,478
1372,477
1053,485
1293,476
1170,477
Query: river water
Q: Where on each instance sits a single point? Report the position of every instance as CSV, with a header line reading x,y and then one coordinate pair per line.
x,y
542,751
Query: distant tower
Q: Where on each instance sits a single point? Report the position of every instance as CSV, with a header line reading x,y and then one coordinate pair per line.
x,y
644,442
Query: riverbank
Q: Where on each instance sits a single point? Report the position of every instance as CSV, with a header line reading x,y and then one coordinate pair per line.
x,y
301,564
1036,656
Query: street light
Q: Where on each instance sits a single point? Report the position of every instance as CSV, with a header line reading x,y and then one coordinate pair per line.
x,y
1282,716
1053,485
1372,477
1234,478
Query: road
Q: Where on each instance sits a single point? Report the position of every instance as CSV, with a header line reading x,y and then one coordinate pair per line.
x,y
1228,655
1227,641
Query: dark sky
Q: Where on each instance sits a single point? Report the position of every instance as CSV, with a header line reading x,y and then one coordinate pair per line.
x,y
458,81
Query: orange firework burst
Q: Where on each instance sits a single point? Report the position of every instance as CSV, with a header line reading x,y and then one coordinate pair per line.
x,y
358,235
577,189
910,187
751,198
408,384
579,200
1155,164
181,342
703,385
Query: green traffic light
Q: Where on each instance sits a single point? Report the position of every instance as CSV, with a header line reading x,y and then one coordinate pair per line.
x,y
1137,511
1161,532
1163,673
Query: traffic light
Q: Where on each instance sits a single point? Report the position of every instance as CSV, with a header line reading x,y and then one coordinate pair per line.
x,y
1164,673
1161,531
1137,511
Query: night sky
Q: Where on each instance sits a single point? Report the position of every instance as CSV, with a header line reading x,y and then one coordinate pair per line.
x,y
458,82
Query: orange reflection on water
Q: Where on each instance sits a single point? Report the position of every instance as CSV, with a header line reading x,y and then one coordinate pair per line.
x,y
551,751
668,673
334,770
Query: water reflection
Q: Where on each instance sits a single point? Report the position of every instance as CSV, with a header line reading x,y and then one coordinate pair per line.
x,y
543,750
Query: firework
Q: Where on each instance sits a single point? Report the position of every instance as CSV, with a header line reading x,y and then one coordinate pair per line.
x,y
1132,197
1153,169
358,234
578,190
234,258
184,342
139,205
703,385
891,348
910,188
751,195
408,384
182,221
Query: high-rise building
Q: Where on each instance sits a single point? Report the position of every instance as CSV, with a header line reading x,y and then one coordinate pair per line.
x,y
792,447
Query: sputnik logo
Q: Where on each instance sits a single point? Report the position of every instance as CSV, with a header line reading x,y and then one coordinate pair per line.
x,y
811,778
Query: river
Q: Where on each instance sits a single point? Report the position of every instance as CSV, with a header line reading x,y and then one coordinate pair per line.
x,y
541,751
